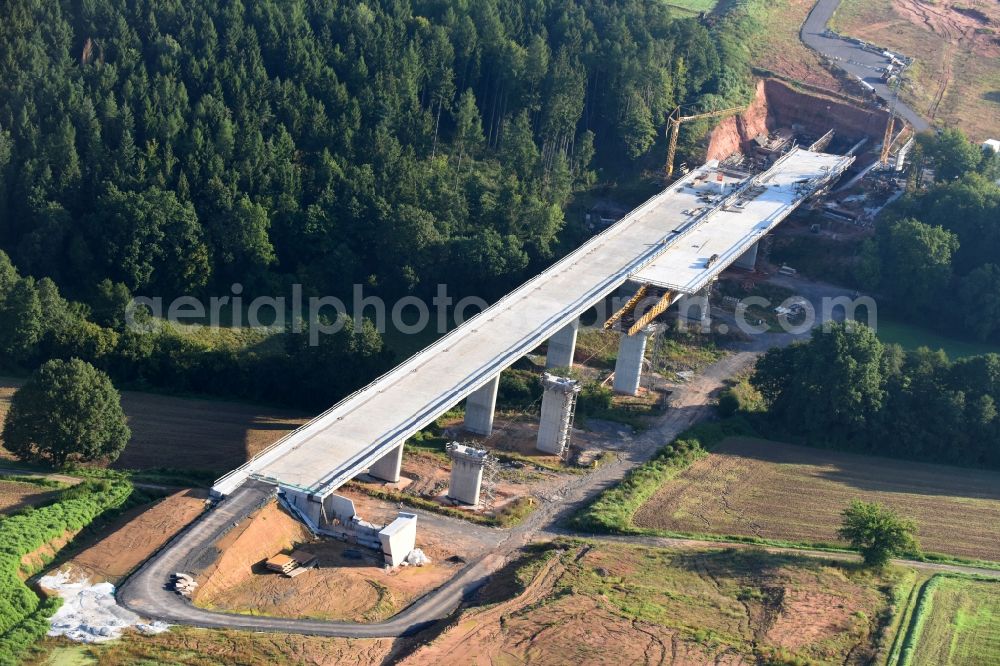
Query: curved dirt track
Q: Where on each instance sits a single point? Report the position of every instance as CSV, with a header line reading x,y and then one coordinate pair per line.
x,y
145,591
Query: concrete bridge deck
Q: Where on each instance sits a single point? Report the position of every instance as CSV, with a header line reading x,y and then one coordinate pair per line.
x,y
667,240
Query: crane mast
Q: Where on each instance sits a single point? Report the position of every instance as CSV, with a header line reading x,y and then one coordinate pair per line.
x,y
890,124
674,128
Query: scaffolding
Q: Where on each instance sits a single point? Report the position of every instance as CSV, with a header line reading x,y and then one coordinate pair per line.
x,y
491,474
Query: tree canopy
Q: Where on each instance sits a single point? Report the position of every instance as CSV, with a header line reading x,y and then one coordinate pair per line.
x,y
877,532
175,146
67,410
845,389
935,253
159,148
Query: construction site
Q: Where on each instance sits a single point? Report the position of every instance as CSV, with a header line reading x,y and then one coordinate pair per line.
x,y
378,532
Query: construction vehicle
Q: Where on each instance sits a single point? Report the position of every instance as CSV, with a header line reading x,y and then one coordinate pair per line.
x,y
674,130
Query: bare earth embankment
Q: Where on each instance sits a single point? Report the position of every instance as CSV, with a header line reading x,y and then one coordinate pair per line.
x,y
780,491
956,78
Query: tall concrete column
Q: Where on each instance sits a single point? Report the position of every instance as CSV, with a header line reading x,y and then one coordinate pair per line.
x,y
558,403
466,473
696,309
628,366
748,259
479,408
562,346
388,466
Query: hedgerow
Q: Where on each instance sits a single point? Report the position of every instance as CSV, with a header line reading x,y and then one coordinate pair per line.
x,y
613,510
923,609
23,616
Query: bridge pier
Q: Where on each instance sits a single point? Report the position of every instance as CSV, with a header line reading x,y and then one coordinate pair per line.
x,y
562,346
628,366
479,408
466,473
748,260
558,404
387,467
696,309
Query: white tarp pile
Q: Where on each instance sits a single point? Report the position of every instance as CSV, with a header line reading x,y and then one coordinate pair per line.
x,y
417,558
89,613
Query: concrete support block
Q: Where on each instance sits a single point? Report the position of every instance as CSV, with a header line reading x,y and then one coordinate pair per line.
x,y
562,346
339,507
748,260
479,408
388,466
466,473
398,538
310,506
558,403
628,366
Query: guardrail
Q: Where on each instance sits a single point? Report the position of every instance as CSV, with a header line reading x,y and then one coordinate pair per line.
x,y
243,470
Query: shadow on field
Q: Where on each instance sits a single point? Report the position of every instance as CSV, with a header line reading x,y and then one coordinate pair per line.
x,y
872,473
755,563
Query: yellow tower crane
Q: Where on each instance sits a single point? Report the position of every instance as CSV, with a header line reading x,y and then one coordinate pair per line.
x,y
890,124
674,130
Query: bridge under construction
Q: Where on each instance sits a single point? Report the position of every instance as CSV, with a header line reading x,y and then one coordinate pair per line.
x,y
676,243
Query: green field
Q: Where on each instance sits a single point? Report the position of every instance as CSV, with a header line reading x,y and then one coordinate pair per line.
x,y
909,336
693,6
962,625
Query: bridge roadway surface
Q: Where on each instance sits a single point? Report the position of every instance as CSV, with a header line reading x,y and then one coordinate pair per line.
x,y
854,58
145,591
671,236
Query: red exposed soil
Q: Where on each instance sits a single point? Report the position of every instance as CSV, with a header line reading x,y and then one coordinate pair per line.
x,y
350,583
972,29
776,104
137,534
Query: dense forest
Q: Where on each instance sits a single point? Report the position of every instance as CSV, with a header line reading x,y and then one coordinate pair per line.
x,y
161,148
936,254
845,389
174,146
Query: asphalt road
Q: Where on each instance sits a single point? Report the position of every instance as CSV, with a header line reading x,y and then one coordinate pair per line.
x,y
145,591
853,58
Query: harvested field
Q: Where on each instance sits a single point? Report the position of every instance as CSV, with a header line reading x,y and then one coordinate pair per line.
x,y
16,495
963,626
130,539
184,433
620,604
956,77
780,491
350,582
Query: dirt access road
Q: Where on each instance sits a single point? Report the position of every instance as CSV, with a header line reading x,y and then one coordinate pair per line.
x,y
853,58
145,592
